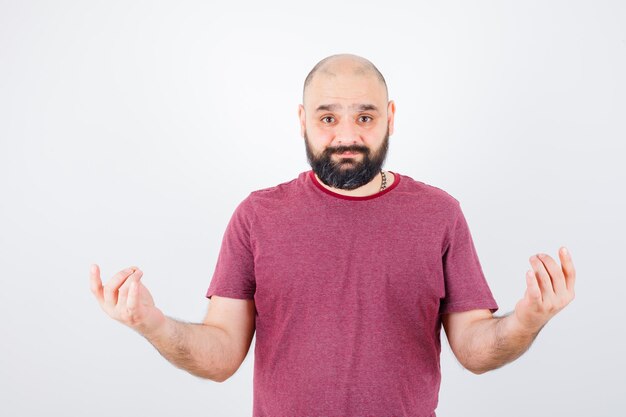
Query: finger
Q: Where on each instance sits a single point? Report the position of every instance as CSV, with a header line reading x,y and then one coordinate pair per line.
x,y
532,286
555,272
125,288
95,283
132,304
568,268
547,292
111,288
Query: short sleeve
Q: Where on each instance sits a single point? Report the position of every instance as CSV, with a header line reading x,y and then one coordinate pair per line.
x,y
465,285
234,272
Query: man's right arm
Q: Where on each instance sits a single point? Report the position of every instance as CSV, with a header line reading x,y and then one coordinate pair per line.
x,y
214,349
200,349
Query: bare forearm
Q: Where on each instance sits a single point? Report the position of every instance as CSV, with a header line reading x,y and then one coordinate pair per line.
x,y
495,342
197,348
492,342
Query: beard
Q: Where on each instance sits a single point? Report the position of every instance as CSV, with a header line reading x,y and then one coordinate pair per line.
x,y
347,173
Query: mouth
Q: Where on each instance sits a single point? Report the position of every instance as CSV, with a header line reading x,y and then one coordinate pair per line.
x,y
348,154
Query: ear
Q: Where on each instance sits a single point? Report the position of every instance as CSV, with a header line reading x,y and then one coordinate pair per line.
x,y
302,117
391,112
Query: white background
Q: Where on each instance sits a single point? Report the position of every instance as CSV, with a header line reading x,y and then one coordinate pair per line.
x,y
130,130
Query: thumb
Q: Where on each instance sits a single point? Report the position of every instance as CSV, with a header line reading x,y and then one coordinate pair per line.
x,y
533,289
135,310
132,302
143,318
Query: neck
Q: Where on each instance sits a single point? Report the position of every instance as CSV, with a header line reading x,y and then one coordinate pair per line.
x,y
365,190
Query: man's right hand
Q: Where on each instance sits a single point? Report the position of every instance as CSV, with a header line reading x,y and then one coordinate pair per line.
x,y
127,300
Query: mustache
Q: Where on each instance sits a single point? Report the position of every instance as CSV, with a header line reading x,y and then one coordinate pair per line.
x,y
351,148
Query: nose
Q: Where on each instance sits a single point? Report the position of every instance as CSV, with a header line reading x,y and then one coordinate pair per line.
x,y
347,133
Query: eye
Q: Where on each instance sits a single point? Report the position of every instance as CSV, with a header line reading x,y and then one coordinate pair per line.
x,y
368,117
327,117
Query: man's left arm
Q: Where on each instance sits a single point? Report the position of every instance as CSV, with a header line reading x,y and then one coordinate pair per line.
x,y
482,342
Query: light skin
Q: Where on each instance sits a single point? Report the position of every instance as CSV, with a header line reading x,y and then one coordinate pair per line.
x,y
482,342
345,117
215,348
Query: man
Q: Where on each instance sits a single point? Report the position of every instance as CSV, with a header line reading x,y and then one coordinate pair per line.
x,y
346,273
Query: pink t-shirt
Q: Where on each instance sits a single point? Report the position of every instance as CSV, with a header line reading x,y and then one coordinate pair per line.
x,y
348,293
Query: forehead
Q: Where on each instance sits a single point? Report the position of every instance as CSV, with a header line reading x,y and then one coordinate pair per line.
x,y
344,89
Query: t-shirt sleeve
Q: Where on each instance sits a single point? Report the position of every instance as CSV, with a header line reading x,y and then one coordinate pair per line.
x,y
465,285
234,272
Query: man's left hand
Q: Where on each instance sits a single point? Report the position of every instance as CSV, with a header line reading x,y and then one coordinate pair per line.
x,y
549,288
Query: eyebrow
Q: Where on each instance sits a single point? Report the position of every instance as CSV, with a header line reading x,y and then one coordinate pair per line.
x,y
359,107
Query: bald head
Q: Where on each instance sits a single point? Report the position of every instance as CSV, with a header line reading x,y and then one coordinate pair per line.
x,y
344,64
